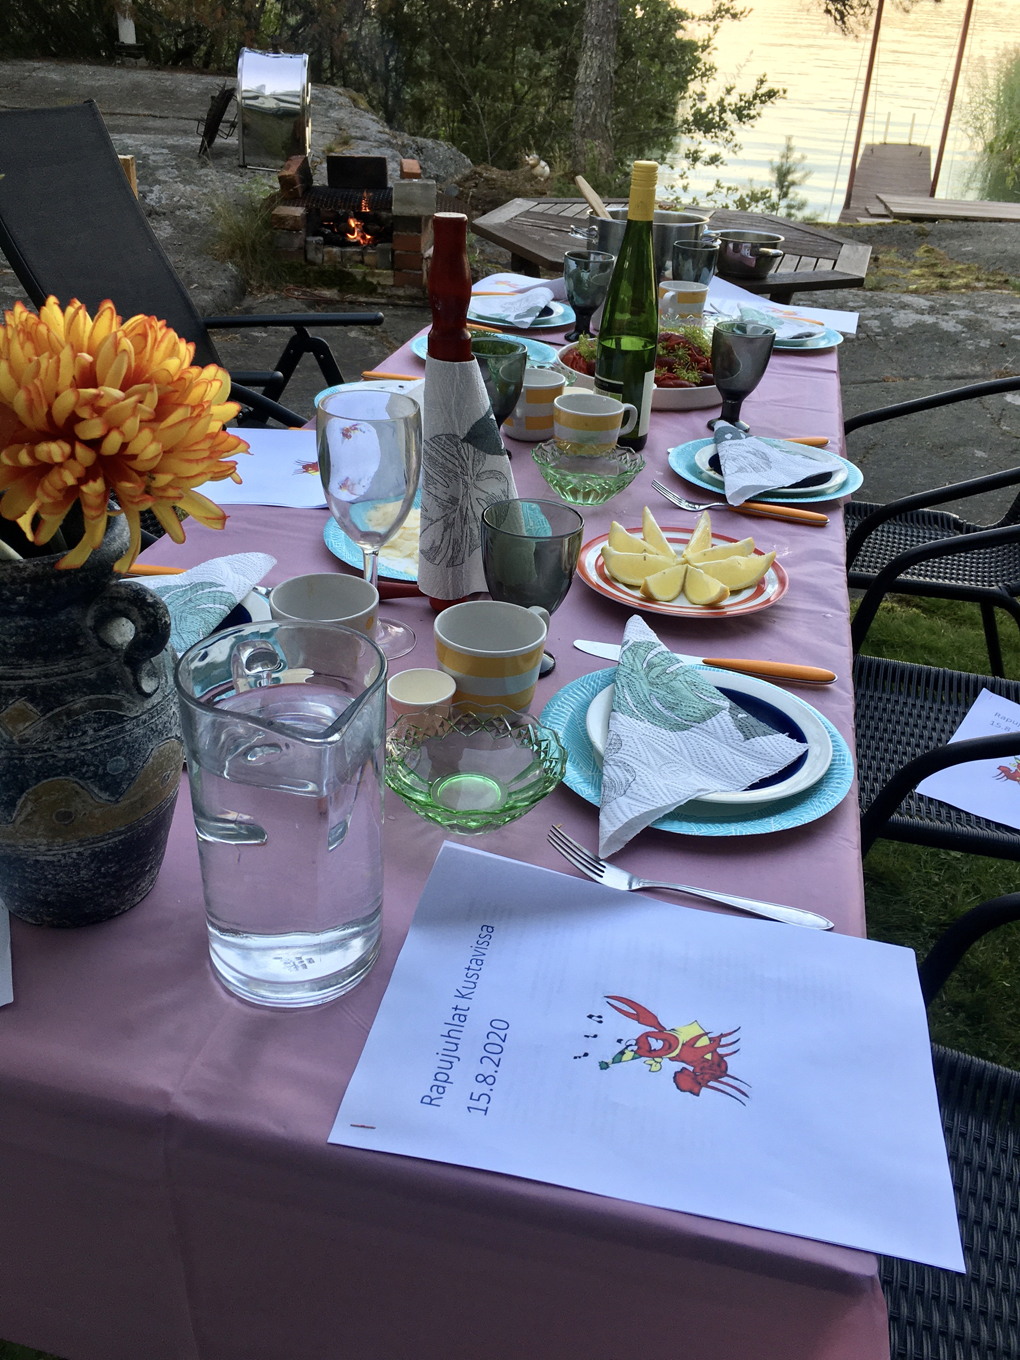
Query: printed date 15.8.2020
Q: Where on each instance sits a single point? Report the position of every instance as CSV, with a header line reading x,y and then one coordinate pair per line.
x,y
488,1066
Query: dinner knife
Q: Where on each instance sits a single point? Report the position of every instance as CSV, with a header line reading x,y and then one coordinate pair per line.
x,y
767,670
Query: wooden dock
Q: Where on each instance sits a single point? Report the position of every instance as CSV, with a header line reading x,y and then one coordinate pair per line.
x,y
899,168
950,209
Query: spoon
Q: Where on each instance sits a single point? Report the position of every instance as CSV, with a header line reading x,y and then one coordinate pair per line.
x,y
591,197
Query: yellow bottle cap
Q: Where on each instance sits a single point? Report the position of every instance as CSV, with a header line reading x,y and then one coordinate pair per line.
x,y
643,179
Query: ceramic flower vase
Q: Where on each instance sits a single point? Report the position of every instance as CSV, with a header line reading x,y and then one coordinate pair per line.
x,y
90,750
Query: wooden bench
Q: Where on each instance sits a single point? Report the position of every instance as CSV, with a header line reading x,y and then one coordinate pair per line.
x,y
538,232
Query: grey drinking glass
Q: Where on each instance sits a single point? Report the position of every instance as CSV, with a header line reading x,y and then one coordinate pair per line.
x,y
586,276
695,261
502,361
369,445
740,355
529,554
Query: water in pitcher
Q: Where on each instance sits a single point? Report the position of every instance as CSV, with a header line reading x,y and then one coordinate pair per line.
x,y
290,846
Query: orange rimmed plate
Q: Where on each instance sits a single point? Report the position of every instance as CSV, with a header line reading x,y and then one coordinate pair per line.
x,y
592,570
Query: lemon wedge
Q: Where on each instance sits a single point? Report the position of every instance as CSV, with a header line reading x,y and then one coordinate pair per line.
x,y
700,588
653,535
742,549
664,585
621,541
632,568
740,572
701,539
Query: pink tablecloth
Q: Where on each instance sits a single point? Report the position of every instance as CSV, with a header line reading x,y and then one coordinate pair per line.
x,y
166,1189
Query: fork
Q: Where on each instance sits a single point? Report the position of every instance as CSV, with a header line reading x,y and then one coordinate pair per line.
x,y
613,877
767,511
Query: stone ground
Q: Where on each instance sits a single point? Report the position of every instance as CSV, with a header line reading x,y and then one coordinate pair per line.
x,y
909,343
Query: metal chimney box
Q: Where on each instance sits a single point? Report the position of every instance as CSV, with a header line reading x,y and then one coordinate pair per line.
x,y
274,99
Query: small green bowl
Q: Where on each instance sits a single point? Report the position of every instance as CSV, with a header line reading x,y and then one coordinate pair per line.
x,y
583,478
473,770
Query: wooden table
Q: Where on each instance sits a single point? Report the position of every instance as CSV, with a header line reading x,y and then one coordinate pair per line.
x,y
538,231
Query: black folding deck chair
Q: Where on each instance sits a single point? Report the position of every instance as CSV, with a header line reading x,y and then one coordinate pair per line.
x,y
71,226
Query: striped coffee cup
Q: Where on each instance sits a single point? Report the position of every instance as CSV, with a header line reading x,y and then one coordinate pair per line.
x,y
589,418
493,651
532,417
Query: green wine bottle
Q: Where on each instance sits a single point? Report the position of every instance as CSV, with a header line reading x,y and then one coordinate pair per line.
x,y
628,336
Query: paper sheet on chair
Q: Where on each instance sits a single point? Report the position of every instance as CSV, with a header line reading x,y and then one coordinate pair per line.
x,y
544,1026
986,788
281,469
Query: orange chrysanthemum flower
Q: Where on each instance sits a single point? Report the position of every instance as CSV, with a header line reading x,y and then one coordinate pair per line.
x,y
90,408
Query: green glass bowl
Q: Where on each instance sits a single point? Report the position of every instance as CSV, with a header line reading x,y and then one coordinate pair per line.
x,y
583,478
472,770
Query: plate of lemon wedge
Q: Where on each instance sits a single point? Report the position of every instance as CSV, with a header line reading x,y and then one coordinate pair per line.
x,y
683,573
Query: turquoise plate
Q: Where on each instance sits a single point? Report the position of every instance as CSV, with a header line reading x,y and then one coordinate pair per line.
x,y
681,460
825,339
348,551
565,713
542,355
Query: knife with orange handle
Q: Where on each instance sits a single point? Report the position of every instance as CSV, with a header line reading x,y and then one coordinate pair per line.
x,y
814,441
789,512
770,670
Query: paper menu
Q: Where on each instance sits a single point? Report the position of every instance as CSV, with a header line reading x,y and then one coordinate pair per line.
x,y
986,788
550,1028
6,979
728,298
281,469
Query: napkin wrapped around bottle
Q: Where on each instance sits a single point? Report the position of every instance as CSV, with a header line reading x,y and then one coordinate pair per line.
x,y
202,597
749,466
515,309
674,737
464,469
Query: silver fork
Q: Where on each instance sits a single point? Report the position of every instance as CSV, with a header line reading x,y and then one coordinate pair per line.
x,y
765,509
682,504
613,877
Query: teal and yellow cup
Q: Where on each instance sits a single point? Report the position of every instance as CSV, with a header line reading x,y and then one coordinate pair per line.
x,y
593,420
493,651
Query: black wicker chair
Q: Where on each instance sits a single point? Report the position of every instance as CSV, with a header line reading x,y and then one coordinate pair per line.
x,y
935,1314
909,547
70,226
905,716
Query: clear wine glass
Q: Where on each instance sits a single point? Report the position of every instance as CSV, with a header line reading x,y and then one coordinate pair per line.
x,y
586,276
740,355
369,446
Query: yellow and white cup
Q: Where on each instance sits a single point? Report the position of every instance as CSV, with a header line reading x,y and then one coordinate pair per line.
x,y
591,419
493,651
679,299
532,417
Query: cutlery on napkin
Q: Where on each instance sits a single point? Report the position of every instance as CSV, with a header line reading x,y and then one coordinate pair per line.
x,y
768,670
674,737
515,309
201,598
749,466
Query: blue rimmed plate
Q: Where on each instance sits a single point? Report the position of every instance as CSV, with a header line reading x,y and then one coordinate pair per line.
x,y
542,355
826,338
561,317
348,551
566,713
684,462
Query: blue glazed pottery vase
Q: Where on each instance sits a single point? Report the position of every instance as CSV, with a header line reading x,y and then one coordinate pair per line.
x,y
90,749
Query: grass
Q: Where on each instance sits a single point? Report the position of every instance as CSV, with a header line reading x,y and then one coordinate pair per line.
x,y
914,892
244,238
930,270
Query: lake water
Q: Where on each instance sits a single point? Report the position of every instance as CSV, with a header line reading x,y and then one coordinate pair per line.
x,y
793,43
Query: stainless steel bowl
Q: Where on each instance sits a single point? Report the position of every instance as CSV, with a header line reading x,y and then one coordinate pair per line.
x,y
748,254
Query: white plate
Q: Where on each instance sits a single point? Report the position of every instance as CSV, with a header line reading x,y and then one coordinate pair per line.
x,y
561,317
663,398
819,753
414,389
837,479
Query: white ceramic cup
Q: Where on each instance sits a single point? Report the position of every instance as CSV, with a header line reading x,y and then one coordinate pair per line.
x,y
327,597
493,651
532,418
588,418
420,691
678,298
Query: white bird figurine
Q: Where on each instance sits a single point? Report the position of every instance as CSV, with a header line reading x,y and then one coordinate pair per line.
x,y
537,166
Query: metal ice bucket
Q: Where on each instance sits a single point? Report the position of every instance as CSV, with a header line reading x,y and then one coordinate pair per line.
x,y
603,233
274,98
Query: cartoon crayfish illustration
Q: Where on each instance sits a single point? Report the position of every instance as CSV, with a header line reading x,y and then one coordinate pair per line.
x,y
1010,772
702,1056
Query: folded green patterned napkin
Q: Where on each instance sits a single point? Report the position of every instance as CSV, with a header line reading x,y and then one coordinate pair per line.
x,y
674,737
202,597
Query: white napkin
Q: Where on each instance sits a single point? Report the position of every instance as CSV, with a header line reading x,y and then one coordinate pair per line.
x,y
6,982
790,332
519,283
749,466
203,596
517,309
674,737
